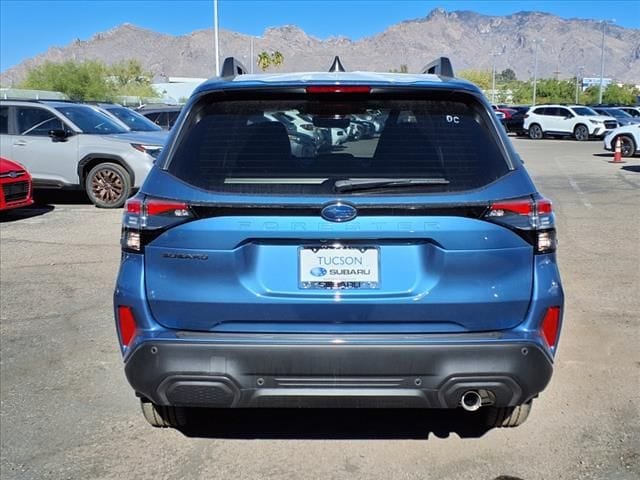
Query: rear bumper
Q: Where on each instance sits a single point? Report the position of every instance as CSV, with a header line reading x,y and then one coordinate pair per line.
x,y
267,372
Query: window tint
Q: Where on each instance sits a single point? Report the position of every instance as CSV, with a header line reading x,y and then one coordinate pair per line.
x,y
584,111
541,111
37,121
153,116
133,120
90,120
240,146
614,112
4,120
171,118
563,112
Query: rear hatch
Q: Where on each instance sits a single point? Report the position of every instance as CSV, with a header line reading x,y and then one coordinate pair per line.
x,y
384,234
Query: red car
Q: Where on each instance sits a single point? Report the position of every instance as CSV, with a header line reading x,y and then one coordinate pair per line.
x,y
15,185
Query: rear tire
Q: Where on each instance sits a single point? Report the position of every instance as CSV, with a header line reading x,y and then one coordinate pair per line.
x,y
535,132
627,145
163,417
108,185
507,417
581,133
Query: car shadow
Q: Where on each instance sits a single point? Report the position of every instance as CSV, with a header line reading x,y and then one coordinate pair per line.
x,y
61,197
631,168
337,424
23,213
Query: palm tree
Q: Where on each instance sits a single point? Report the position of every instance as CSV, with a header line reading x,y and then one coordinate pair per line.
x,y
277,58
264,60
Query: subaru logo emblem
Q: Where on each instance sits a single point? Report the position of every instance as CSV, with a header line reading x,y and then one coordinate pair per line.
x,y
318,271
14,174
339,212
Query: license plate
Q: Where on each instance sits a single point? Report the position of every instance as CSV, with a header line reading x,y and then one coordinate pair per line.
x,y
339,267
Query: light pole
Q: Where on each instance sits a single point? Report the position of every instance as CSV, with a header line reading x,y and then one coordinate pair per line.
x,y
493,77
251,54
535,69
580,70
215,36
604,25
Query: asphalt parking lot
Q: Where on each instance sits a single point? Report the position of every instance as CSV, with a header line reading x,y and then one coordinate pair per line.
x,y
68,413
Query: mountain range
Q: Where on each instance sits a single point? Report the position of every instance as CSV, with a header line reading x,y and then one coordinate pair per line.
x,y
566,47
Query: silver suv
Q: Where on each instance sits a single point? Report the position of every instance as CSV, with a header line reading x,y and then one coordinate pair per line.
x,y
69,145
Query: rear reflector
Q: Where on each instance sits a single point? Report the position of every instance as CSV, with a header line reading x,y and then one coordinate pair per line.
x,y
126,325
339,89
550,325
134,205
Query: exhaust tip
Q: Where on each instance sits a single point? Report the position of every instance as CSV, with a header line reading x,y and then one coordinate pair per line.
x,y
471,401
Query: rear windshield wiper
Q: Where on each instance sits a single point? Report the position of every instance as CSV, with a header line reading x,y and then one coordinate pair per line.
x,y
351,184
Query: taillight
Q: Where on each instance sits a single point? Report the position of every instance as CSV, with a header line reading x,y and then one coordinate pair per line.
x,y
550,326
156,206
126,325
339,89
146,218
531,218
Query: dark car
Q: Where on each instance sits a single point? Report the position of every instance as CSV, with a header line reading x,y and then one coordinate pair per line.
x,y
624,118
165,116
416,269
132,119
514,119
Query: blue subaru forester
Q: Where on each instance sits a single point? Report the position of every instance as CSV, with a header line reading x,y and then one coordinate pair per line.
x,y
411,266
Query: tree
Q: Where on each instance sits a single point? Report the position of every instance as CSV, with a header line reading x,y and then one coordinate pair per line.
x,y
481,78
507,75
130,79
277,58
620,95
80,81
522,92
91,80
403,69
550,90
266,59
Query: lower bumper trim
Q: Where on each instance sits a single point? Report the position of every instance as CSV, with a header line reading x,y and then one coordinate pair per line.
x,y
309,375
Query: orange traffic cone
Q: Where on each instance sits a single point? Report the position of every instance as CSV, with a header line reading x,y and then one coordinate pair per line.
x,y
617,154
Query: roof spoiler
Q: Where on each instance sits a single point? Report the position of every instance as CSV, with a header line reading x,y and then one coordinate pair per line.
x,y
440,66
336,66
231,68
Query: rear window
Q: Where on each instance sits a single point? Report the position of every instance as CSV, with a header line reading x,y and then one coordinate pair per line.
x,y
306,144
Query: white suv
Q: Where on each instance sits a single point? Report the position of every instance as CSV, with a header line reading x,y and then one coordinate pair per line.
x,y
577,121
629,136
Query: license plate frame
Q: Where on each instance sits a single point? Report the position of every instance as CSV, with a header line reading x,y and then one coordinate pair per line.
x,y
367,280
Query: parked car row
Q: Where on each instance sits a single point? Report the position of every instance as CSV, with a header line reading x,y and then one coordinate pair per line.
x,y
78,146
578,121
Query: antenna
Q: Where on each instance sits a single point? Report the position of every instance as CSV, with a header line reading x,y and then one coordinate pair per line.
x,y
440,66
232,68
336,66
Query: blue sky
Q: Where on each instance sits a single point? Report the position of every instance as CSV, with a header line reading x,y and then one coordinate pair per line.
x,y
29,27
